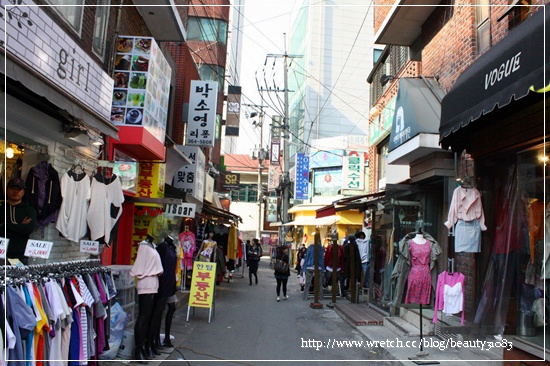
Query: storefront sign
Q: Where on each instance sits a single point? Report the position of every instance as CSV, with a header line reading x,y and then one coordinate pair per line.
x,y
38,249
141,86
89,247
202,284
327,182
382,126
143,226
273,178
325,158
127,172
183,209
353,175
40,43
3,247
208,188
302,177
201,120
151,180
191,178
231,182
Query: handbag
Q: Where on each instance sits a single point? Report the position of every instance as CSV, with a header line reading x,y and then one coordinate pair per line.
x,y
281,267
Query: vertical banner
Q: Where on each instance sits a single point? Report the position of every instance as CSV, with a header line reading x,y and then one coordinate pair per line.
x,y
202,284
233,115
271,211
302,177
274,177
201,120
151,179
275,153
353,175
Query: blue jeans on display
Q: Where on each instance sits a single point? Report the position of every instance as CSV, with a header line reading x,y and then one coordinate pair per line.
x,y
365,267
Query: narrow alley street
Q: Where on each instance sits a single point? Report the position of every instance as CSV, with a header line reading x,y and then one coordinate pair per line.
x,y
250,326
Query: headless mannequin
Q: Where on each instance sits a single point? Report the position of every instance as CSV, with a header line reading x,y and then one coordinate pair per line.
x,y
419,239
208,246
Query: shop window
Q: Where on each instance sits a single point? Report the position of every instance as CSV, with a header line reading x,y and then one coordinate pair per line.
x,y
100,27
245,193
71,11
212,72
483,25
207,29
519,11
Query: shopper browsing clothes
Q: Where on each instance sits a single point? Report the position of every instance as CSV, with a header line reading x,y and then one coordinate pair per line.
x,y
254,253
20,220
282,277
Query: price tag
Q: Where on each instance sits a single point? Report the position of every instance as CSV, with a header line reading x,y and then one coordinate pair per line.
x,y
89,247
3,247
184,209
38,249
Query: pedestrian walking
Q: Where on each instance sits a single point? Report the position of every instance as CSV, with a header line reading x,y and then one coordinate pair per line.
x,y
282,276
253,255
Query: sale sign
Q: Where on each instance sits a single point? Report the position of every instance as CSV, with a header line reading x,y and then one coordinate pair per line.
x,y
38,249
3,247
89,247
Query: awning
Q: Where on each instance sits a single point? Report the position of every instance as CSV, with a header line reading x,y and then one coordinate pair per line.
x,y
304,207
208,209
506,72
416,119
347,203
63,101
312,221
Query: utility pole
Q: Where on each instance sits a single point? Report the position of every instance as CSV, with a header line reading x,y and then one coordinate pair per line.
x,y
285,138
261,156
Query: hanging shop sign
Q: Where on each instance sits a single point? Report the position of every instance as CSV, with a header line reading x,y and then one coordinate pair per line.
x,y
201,119
325,158
202,284
191,178
127,172
89,247
38,249
141,86
3,247
273,178
40,43
353,174
302,177
182,210
233,110
231,182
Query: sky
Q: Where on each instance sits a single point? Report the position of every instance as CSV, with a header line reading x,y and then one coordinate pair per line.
x,y
265,22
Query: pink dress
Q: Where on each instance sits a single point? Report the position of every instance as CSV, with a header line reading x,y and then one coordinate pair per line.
x,y
419,281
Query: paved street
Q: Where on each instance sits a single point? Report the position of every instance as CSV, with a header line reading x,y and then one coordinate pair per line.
x,y
250,326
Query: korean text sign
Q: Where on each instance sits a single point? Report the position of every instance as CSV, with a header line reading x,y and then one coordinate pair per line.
x,y
201,121
202,284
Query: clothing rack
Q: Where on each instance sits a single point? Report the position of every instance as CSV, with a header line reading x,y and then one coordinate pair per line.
x,y
49,270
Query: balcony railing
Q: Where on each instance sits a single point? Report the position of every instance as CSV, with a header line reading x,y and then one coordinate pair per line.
x,y
392,60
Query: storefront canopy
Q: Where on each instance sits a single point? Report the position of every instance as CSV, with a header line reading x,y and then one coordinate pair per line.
x,y
312,221
348,203
508,71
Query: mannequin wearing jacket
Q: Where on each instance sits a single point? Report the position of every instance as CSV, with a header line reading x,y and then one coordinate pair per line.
x,y
402,267
147,268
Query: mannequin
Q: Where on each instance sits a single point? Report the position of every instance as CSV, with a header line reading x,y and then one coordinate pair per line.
x,y
207,251
419,239
147,267
419,280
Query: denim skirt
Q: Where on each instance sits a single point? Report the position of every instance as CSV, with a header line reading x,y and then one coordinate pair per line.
x,y
468,236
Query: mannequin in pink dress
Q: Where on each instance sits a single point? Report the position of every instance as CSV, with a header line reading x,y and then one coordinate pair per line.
x,y
419,280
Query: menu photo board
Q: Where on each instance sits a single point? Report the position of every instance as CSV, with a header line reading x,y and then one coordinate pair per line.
x,y
141,85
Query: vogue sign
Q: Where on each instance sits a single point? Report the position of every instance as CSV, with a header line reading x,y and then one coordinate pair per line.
x,y
503,71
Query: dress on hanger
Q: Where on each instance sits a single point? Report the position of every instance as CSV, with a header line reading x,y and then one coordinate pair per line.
x,y
419,280
76,193
187,240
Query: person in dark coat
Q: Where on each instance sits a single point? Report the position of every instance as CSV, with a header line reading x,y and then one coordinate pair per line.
x,y
254,253
282,277
349,247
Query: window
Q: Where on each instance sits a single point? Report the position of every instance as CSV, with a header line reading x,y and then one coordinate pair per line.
x,y
100,27
212,72
483,26
246,193
207,29
71,11
376,54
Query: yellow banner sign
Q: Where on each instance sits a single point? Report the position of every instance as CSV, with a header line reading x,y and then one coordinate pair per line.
x,y
202,284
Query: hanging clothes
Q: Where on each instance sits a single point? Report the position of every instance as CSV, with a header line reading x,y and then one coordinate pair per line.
x,y
232,243
466,211
188,244
449,294
105,206
76,192
43,192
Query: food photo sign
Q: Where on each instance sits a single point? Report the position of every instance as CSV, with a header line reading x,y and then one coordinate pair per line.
x,y
141,85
